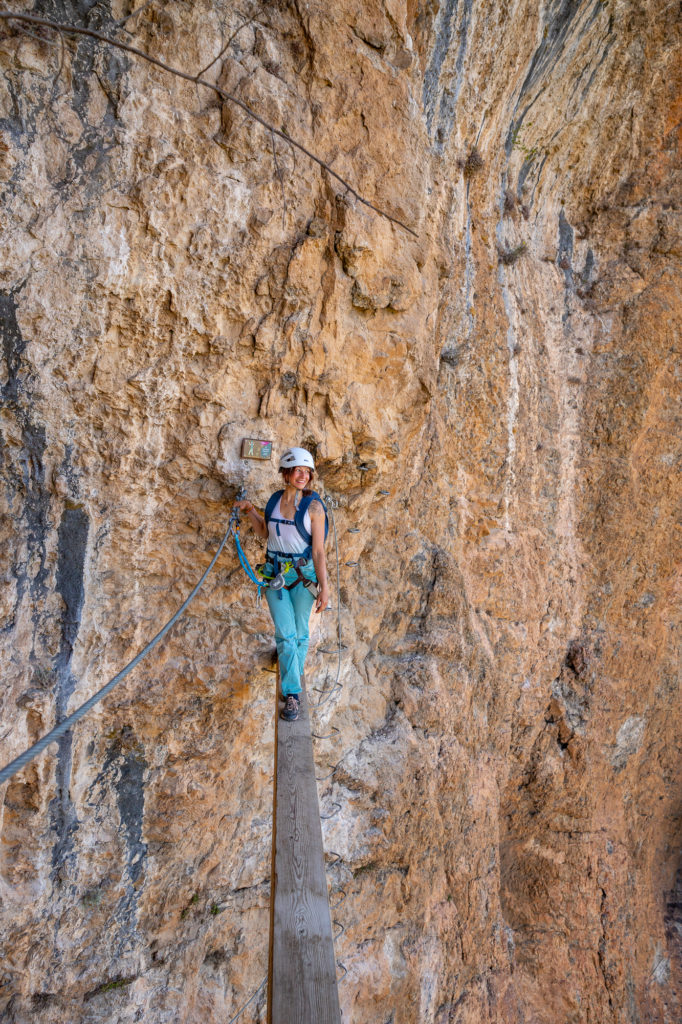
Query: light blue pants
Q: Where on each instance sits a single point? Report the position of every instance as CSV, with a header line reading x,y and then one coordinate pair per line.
x,y
291,615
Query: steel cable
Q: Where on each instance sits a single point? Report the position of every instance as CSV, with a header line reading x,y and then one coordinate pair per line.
x,y
336,686
238,1015
28,755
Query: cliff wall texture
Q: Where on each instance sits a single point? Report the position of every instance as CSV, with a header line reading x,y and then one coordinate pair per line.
x,y
174,278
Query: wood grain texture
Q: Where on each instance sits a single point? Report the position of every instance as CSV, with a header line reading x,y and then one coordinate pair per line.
x,y
303,986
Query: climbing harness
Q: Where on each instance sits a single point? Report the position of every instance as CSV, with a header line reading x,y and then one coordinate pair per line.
x,y
277,582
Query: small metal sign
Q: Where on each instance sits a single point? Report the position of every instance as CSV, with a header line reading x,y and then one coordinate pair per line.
x,y
253,448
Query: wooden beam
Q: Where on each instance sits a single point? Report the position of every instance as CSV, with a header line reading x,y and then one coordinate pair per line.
x,y
302,979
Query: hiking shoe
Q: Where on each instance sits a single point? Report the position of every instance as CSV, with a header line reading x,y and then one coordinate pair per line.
x,y
290,713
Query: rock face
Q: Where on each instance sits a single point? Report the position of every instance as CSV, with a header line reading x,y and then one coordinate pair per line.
x,y
173,279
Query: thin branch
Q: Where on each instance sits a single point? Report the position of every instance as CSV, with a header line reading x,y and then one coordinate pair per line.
x,y
60,68
75,30
234,35
278,171
134,14
34,35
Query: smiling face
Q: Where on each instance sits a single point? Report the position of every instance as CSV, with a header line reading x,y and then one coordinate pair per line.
x,y
298,477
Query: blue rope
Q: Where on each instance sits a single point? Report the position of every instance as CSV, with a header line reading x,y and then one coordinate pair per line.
x,y
244,562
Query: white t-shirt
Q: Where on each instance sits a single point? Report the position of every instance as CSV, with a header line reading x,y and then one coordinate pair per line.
x,y
284,537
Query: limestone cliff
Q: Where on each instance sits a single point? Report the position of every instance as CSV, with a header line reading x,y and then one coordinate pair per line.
x,y
173,278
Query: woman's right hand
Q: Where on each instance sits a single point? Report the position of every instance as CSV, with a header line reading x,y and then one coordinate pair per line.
x,y
256,520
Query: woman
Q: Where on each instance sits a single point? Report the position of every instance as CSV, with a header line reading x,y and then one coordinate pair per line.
x,y
295,526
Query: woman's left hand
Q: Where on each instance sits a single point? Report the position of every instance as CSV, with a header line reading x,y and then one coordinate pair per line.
x,y
322,599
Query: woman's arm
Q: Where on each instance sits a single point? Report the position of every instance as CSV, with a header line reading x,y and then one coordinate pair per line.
x,y
317,520
255,518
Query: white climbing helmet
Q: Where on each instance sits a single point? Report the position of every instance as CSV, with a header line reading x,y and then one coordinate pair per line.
x,y
296,457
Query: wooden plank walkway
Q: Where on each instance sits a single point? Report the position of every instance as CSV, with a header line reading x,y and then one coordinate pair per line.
x,y
302,985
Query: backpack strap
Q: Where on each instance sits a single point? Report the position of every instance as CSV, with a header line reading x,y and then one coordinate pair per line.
x,y
272,502
300,516
269,510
